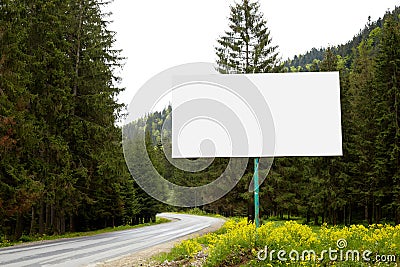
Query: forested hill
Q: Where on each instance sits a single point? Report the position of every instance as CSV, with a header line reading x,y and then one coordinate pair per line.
x,y
315,55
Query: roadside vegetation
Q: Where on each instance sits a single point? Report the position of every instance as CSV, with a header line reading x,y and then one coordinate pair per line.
x,y
200,212
239,243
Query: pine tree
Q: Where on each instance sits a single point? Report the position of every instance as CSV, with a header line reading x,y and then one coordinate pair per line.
x,y
247,46
329,63
362,112
19,135
329,175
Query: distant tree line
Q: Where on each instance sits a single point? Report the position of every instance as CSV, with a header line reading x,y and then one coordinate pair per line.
x,y
310,60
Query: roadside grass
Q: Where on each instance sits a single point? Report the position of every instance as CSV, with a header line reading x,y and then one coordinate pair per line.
x,y
238,243
197,211
35,238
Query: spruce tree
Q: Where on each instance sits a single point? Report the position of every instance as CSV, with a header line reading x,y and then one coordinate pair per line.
x,y
363,100
247,46
387,143
19,134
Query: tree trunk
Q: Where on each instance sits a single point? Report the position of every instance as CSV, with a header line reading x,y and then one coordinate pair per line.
x,y
373,206
32,229
344,215
350,214
378,212
18,227
62,224
48,216
71,224
52,215
56,227
250,211
78,47
334,217
366,214
316,219
41,218
397,216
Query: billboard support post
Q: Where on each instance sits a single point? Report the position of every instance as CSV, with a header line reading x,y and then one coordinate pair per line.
x,y
256,197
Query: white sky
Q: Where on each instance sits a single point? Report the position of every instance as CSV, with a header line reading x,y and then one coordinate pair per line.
x,y
159,34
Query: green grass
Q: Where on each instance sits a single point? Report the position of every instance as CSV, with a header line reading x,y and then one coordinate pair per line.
x,y
197,211
27,238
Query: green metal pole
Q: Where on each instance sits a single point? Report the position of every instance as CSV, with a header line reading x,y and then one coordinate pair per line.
x,y
256,191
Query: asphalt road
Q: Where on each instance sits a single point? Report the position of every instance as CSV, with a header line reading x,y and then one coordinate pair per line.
x,y
87,250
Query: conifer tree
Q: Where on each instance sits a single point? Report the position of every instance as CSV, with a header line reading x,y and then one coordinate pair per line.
x,y
247,46
387,143
363,100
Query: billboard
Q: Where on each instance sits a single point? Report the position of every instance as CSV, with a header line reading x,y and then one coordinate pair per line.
x,y
256,115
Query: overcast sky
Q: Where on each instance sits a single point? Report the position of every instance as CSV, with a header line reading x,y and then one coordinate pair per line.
x,y
159,34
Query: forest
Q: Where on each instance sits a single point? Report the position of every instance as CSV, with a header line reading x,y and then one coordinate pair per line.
x,y
62,167
61,162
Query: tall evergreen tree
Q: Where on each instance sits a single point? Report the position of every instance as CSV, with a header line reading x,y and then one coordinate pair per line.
x,y
363,101
19,134
247,46
387,77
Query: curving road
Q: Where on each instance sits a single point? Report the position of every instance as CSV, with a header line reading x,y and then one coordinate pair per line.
x,y
87,250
